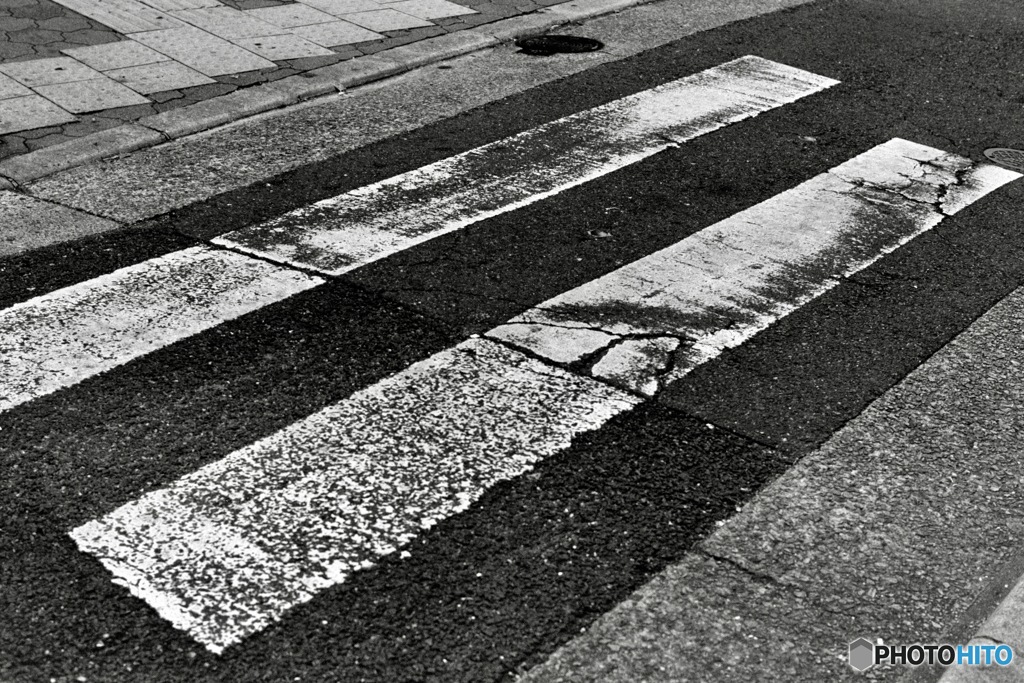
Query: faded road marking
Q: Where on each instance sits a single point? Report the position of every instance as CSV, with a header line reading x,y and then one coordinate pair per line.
x,y
340,234
722,285
227,550
66,336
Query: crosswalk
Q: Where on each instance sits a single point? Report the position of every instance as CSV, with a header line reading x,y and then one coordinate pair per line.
x,y
195,289
362,477
232,548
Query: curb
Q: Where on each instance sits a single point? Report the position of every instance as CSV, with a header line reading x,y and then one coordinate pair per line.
x,y
328,80
1001,605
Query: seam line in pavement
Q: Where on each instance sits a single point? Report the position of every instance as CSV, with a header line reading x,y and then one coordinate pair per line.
x,y
217,246
324,81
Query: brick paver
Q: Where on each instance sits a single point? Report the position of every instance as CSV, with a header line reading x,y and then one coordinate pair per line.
x,y
83,96
116,55
31,110
70,68
159,77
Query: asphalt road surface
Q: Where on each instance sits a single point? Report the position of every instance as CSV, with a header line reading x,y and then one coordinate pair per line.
x,y
590,379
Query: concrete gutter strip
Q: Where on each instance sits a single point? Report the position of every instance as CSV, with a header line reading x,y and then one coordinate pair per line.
x,y
30,223
176,123
106,143
1002,627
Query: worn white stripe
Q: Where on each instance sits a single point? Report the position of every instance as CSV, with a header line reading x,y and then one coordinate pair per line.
x,y
226,550
66,336
657,318
342,233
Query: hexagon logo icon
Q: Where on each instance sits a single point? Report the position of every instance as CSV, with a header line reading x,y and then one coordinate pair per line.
x,y
862,654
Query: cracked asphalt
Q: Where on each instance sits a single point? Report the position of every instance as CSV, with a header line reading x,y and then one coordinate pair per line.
x,y
873,441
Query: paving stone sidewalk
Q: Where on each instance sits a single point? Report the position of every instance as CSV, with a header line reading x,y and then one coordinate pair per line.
x,y
70,69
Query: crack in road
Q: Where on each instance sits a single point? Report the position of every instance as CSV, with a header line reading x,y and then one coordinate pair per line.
x,y
761,577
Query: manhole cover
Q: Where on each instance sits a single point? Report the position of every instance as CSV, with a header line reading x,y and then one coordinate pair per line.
x,y
1010,158
549,45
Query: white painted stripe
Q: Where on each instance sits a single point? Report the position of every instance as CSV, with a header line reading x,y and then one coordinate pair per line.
x,y
720,286
342,233
66,336
226,550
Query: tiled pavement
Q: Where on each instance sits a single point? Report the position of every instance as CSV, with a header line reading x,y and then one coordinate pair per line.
x,y
76,67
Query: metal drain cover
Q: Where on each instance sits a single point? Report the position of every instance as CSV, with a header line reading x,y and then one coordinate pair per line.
x,y
1012,159
549,45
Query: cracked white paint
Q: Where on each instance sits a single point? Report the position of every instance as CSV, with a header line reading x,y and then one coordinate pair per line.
x,y
226,550
66,336
722,285
636,363
344,232
560,344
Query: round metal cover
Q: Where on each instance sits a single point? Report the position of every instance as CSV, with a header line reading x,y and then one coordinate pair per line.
x,y
549,45
1010,158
